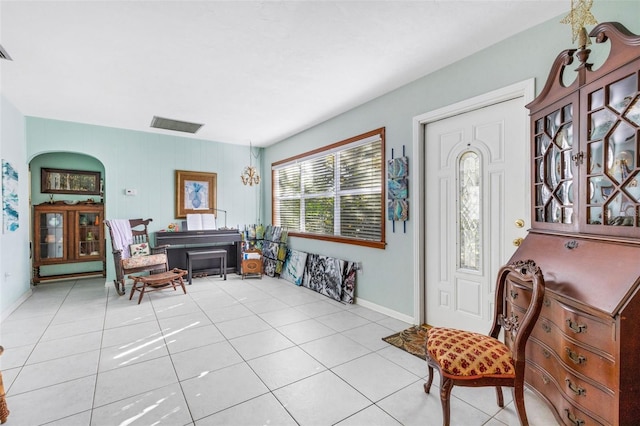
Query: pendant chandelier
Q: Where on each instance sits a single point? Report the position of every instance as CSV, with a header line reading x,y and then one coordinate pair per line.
x,y
250,175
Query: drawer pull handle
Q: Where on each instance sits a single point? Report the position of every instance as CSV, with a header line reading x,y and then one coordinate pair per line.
x,y
573,419
546,327
513,294
545,379
575,327
547,302
545,353
571,244
577,359
575,389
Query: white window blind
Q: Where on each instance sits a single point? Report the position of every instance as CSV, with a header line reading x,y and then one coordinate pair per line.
x,y
337,192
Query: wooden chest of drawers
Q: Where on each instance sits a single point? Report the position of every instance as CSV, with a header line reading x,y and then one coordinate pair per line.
x,y
583,356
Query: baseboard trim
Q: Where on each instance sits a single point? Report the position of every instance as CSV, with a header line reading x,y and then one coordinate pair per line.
x,y
381,309
16,304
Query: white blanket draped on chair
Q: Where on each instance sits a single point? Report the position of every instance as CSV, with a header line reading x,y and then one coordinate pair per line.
x,y
122,236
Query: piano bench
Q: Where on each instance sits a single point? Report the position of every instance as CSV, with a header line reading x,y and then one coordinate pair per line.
x,y
204,255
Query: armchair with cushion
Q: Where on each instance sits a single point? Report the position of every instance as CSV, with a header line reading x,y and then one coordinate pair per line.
x,y
126,233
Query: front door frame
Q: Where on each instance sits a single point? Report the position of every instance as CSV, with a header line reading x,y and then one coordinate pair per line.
x,y
524,89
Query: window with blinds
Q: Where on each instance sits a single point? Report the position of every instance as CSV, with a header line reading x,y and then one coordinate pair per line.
x,y
335,193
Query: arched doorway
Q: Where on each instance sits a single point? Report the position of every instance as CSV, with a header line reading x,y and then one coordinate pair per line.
x,y
67,213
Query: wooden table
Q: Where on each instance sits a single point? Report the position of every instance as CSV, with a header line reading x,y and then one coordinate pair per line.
x,y
156,282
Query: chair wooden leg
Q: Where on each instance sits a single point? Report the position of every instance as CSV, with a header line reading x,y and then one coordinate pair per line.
x,y
427,386
133,290
445,394
499,396
141,292
518,398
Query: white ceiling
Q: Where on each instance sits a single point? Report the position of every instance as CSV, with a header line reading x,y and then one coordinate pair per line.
x,y
254,71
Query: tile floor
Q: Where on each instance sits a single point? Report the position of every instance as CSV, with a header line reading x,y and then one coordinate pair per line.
x,y
235,352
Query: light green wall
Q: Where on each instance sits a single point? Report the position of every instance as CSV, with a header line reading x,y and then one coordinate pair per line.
x,y
146,162
15,263
387,279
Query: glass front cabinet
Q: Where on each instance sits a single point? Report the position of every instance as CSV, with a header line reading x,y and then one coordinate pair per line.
x,y
554,173
68,234
585,155
610,146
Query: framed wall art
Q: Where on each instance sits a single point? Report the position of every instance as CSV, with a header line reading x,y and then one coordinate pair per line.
x,y
195,193
60,181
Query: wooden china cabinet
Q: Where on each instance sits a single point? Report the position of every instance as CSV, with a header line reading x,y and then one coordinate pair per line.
x,y
584,353
67,234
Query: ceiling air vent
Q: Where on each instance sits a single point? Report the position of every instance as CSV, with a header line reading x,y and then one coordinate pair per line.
x,y
175,125
4,54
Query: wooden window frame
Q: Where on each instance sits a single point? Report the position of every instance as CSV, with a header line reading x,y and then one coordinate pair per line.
x,y
381,244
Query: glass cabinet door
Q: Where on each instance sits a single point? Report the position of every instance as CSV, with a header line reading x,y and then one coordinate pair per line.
x,y
51,241
553,174
89,225
613,123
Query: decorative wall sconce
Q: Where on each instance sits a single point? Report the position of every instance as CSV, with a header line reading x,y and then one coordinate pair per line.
x,y
250,175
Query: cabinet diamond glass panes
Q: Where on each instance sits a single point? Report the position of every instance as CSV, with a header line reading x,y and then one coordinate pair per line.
x,y
51,236
613,192
89,233
469,191
553,175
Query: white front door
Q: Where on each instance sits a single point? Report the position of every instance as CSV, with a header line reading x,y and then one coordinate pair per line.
x,y
476,190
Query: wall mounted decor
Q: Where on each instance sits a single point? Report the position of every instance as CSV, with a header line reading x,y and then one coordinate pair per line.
x,y
9,197
398,210
195,193
398,189
398,167
60,181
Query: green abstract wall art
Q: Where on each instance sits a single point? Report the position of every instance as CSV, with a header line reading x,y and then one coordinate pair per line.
x,y
9,197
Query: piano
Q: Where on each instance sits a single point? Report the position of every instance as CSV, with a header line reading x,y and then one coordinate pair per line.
x,y
181,242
